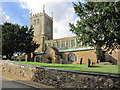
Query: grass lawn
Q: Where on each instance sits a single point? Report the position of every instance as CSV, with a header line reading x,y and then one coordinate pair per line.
x,y
77,67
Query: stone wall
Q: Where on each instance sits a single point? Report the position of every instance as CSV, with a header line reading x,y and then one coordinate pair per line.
x,y
61,78
114,58
85,54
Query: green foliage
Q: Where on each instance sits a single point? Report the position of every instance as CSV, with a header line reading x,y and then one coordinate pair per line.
x,y
25,40
77,67
98,24
9,34
17,39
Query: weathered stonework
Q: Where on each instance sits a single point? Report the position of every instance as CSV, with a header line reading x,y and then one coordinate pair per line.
x,y
43,29
51,55
62,78
43,35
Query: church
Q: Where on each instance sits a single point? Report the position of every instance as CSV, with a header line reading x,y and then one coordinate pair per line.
x,y
63,50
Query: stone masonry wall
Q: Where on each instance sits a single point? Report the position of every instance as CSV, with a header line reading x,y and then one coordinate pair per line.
x,y
61,78
85,55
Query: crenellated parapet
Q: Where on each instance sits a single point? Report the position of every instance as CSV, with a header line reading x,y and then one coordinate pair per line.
x,y
40,14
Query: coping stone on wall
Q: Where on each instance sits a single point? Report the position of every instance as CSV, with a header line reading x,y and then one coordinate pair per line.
x,y
78,72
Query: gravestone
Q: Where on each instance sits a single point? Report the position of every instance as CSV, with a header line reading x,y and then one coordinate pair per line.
x,y
81,60
89,62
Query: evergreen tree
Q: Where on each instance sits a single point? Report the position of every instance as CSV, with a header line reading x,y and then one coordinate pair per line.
x,y
28,44
98,25
9,34
17,39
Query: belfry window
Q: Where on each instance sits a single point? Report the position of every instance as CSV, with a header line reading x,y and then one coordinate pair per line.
x,y
35,22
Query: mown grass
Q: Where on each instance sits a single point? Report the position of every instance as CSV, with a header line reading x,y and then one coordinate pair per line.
x,y
77,67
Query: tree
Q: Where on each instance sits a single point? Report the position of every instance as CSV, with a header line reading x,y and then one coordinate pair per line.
x,y
17,39
98,25
27,43
9,34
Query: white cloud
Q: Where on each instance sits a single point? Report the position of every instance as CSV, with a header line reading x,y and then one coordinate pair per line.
x,y
7,17
4,17
63,14
24,5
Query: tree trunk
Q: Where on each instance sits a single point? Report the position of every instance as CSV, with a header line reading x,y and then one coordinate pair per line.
x,y
33,58
100,54
28,57
8,56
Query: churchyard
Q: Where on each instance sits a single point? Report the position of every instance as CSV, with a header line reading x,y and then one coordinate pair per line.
x,y
78,67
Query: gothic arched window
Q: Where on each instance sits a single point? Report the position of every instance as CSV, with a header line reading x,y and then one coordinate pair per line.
x,y
72,57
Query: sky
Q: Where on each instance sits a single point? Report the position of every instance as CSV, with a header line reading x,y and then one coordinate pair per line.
x,y
17,11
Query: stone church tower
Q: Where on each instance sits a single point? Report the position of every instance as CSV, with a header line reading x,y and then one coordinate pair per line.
x,y
43,29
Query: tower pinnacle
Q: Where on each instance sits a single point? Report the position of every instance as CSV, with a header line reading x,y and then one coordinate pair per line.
x,y
52,14
43,8
31,11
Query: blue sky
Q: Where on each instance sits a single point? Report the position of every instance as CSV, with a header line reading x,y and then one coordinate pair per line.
x,y
63,14
16,13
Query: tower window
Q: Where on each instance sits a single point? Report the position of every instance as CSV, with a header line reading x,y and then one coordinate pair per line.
x,y
35,22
